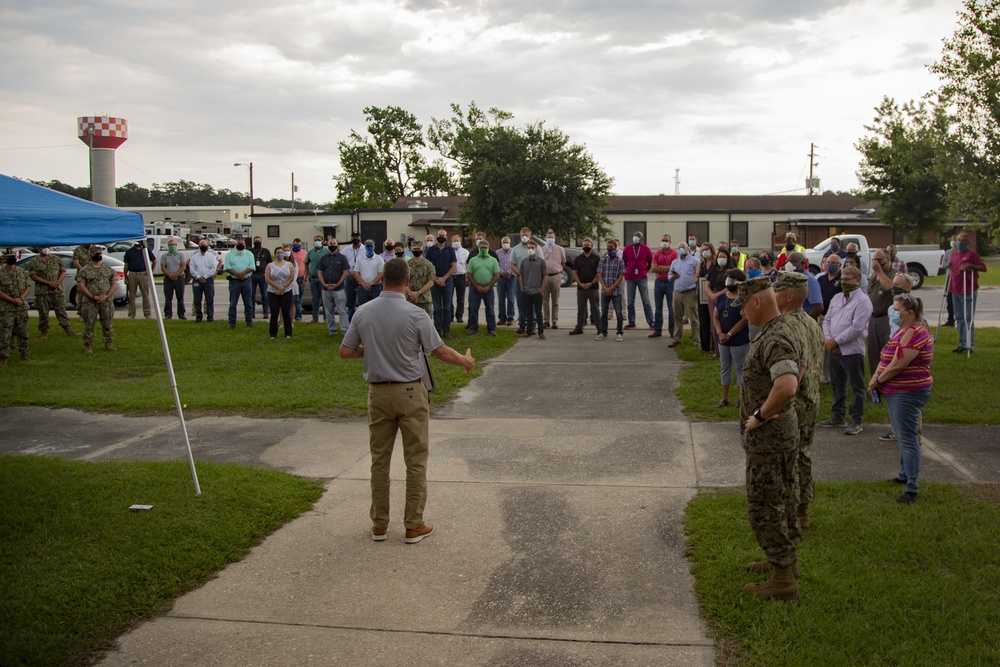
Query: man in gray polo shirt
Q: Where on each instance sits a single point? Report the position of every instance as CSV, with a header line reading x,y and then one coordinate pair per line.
x,y
391,335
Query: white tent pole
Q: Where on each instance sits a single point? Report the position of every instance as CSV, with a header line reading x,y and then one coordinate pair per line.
x,y
947,282
170,364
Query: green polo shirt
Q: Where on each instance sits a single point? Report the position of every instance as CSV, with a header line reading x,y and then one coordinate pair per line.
x,y
482,269
312,260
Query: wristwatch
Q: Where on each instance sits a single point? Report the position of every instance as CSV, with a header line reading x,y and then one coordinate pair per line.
x,y
756,415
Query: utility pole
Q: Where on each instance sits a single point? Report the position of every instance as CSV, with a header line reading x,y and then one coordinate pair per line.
x,y
677,181
293,190
812,163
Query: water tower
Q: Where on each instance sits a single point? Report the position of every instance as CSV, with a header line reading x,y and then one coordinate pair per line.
x,y
103,134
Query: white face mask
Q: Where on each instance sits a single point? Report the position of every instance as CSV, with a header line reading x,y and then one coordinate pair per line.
x,y
665,244
506,246
707,254
456,245
525,239
317,244
636,240
531,252
722,261
734,248
45,251
550,242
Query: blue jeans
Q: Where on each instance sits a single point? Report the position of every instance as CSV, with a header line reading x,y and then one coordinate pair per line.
x,y
644,295
240,289
298,298
317,297
606,302
965,309
505,297
905,409
441,296
259,283
663,289
364,297
475,298
208,290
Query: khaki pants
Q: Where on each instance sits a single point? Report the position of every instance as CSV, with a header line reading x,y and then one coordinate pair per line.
x,y
402,407
550,299
686,305
140,280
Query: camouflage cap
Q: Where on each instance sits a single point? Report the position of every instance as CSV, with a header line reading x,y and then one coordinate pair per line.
x,y
417,245
750,287
790,280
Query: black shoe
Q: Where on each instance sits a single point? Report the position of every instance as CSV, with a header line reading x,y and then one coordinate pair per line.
x,y
888,437
896,480
520,330
959,350
182,317
907,498
949,323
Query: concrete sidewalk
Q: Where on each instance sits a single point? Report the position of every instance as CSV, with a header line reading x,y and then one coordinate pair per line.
x,y
557,488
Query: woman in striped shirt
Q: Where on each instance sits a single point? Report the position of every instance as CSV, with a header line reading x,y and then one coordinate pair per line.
x,y
904,379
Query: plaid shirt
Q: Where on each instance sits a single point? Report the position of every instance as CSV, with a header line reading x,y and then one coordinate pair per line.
x,y
899,265
503,256
611,269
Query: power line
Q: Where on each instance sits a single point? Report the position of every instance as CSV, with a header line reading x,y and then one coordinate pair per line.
x,y
33,148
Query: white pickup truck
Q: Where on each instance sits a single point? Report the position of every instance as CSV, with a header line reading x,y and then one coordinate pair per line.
x,y
921,260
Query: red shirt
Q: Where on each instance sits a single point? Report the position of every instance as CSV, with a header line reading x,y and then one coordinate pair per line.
x,y
664,258
959,280
637,260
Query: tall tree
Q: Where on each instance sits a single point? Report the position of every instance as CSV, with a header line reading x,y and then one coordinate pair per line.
x,y
388,162
899,166
970,73
512,177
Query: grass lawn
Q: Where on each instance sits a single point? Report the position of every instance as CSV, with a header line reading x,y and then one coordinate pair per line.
x,y
991,277
882,583
965,389
79,569
219,370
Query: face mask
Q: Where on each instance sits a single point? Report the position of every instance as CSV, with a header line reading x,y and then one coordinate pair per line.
x,y
97,257
369,251
707,254
256,245
734,248
531,252
612,252
296,248
332,249
832,269
506,246
172,249
954,244
317,244
665,245
754,273
789,267
894,316
896,290
849,287
636,240
442,239
963,246
722,261
400,253
390,248
790,245
765,260
731,283
203,248
834,247
692,242
240,247
355,242
525,239
279,255
456,245
549,243
682,251
418,253
484,252
12,260
45,251
586,249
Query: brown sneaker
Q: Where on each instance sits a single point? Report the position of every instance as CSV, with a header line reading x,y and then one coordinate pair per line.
x,y
414,535
88,349
541,336
576,332
655,334
110,347
378,534
763,567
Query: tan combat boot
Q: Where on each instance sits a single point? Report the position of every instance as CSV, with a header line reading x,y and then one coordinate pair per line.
x,y
110,347
763,567
781,585
3,362
44,336
88,349
803,515
69,331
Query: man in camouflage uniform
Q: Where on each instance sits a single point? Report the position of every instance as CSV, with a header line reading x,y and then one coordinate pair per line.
x,y
422,275
48,272
95,286
791,289
82,254
770,434
13,308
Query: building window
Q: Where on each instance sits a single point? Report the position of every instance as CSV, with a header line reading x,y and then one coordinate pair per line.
x,y
374,230
273,231
740,232
834,231
699,230
631,227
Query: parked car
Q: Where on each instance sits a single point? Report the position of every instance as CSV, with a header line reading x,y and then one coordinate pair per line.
x,y
921,261
69,282
219,240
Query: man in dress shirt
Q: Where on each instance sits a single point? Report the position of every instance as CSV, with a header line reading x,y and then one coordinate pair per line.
x,y
204,265
555,259
682,275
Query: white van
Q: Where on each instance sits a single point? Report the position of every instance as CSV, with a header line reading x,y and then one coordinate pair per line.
x,y
158,244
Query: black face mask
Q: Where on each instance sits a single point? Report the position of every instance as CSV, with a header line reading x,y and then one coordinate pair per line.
x,y
442,239
388,248
97,257
418,253
789,246
400,253
587,248
12,260
332,249
240,246
256,245
355,242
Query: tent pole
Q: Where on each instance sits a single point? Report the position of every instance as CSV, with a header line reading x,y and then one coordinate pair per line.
x,y
170,364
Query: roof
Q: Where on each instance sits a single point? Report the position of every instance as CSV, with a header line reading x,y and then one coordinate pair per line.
x,y
636,204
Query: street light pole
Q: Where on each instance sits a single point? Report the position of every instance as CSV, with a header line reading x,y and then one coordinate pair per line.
x,y
250,165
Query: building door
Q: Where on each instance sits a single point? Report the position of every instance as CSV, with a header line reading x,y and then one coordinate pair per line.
x,y
374,230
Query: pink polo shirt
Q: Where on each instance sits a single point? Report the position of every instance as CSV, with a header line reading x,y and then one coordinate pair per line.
x,y
664,258
959,280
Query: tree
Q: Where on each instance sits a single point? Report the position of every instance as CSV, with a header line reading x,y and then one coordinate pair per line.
x,y
970,73
387,163
531,177
899,166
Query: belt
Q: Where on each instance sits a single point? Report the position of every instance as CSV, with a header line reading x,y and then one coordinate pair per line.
x,y
685,291
131,271
395,382
556,273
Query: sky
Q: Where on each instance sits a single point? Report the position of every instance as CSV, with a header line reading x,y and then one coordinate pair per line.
x,y
731,93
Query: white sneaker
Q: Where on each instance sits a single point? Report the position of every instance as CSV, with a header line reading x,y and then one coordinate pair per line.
x,y
600,337
619,338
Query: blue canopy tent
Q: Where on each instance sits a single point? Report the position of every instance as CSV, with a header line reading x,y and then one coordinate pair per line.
x,y
32,215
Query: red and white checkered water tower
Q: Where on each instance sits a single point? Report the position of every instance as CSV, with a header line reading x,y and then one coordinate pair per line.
x,y
103,134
